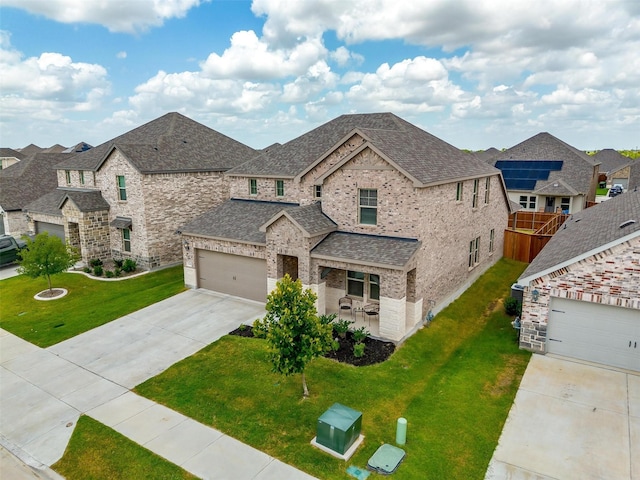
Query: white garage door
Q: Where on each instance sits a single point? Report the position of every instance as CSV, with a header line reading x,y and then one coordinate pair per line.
x,y
594,332
52,228
244,277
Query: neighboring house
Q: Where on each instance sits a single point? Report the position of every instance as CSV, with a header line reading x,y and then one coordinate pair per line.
x,y
23,182
581,292
487,155
8,157
127,197
368,207
617,167
545,174
634,175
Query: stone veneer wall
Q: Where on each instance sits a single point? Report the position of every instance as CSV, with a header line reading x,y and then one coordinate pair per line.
x,y
93,231
609,278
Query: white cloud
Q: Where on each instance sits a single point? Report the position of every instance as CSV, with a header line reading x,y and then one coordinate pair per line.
x,y
118,16
121,55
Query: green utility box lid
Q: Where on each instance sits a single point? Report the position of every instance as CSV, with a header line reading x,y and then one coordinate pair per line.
x,y
339,427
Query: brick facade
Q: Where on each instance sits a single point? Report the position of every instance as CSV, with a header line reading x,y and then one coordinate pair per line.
x,y
611,277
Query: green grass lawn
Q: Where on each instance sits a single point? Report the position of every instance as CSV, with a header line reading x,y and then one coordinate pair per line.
x,y
89,303
454,382
98,452
602,191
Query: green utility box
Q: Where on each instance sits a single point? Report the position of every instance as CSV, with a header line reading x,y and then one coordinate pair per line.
x,y
339,427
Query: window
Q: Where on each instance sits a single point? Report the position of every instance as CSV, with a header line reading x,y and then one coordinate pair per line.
x,y
126,239
474,197
67,174
81,173
528,202
487,186
279,188
374,286
474,252
459,192
368,203
318,191
492,235
122,189
565,203
253,186
355,283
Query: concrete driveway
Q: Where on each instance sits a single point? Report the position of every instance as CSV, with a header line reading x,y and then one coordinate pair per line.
x,y
571,420
43,392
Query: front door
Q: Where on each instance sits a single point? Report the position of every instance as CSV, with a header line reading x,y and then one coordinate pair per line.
x,y
550,205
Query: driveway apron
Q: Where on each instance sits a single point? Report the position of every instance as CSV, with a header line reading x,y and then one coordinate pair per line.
x,y
571,420
43,392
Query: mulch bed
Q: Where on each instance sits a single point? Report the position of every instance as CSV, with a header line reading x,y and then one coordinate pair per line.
x,y
375,351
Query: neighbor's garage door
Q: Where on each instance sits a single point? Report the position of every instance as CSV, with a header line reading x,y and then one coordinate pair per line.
x,y
594,332
52,228
244,277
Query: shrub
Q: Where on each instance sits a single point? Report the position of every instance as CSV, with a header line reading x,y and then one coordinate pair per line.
x,y
358,350
512,306
109,273
360,334
87,270
98,270
117,272
259,328
95,262
335,345
129,265
341,327
118,262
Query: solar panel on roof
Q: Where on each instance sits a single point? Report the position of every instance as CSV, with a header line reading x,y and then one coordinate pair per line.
x,y
523,174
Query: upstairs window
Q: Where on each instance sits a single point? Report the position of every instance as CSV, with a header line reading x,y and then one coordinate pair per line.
x,y
474,198
528,202
318,191
368,205
81,172
253,186
459,192
474,252
487,187
67,175
279,188
492,237
122,189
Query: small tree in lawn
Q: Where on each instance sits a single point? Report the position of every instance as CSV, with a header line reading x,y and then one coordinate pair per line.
x,y
294,332
45,256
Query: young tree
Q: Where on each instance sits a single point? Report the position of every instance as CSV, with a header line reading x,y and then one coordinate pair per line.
x,y
294,332
45,256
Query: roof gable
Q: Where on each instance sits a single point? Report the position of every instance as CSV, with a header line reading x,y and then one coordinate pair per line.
x,y
611,160
309,219
171,143
588,232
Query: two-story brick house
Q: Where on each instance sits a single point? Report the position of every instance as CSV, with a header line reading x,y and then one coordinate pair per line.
x,y
127,197
368,207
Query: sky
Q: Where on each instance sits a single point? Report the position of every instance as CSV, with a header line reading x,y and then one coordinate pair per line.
x,y
476,74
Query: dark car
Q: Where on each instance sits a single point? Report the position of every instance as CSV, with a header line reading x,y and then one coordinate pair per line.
x,y
9,248
615,190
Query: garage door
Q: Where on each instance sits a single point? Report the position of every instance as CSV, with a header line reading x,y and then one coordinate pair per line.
x,y
244,277
52,228
594,332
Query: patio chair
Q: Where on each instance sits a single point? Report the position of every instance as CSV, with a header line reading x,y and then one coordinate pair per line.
x,y
372,310
345,303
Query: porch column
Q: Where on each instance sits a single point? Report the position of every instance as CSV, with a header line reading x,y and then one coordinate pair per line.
x,y
393,304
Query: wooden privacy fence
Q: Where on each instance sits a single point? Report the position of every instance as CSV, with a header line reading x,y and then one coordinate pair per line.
x,y
525,245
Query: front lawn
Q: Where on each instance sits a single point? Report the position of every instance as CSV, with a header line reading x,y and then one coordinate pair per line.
x,y
96,452
454,382
89,303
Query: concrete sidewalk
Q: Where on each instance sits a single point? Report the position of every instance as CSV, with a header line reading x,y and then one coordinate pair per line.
x,y
44,392
571,420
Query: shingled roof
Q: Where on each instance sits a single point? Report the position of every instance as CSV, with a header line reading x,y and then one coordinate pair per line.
x,y
29,179
420,155
577,167
236,220
86,201
11,153
309,218
390,252
588,232
611,160
171,143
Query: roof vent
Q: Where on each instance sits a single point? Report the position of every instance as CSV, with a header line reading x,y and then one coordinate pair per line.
x,y
627,223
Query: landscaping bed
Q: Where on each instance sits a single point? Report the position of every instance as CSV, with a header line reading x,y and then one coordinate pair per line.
x,y
375,351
